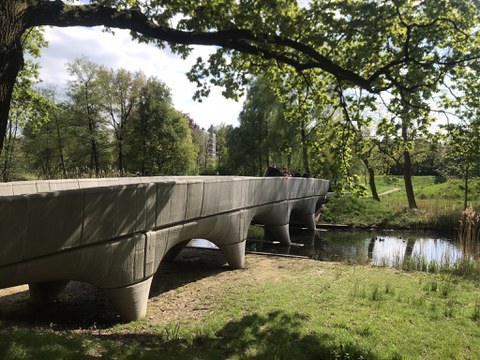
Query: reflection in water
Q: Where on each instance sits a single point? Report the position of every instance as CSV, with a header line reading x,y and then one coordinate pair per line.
x,y
391,250
384,249
202,243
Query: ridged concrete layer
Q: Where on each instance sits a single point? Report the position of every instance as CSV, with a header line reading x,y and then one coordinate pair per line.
x,y
113,233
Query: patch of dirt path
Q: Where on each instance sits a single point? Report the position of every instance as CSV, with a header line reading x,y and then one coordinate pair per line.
x,y
389,191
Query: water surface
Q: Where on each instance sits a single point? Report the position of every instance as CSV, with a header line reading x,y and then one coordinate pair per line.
x,y
368,247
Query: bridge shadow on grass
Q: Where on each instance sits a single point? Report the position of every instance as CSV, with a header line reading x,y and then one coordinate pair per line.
x,y
83,306
280,335
277,335
79,305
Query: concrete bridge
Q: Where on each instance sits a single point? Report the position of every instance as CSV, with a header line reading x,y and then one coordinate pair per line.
x,y
113,233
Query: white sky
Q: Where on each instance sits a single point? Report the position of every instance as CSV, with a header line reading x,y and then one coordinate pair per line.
x,y
119,51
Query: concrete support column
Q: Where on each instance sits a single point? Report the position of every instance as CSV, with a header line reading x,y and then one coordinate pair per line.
x,y
45,292
276,218
232,242
131,301
321,199
303,212
278,233
309,221
234,254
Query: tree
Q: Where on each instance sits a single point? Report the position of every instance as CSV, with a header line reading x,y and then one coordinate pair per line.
x,y
210,165
28,105
239,154
334,144
42,143
368,44
354,109
199,140
256,118
305,101
160,142
204,142
84,91
399,133
119,91
462,151
223,151
463,137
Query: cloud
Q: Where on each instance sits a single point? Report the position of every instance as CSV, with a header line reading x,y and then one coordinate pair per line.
x,y
119,51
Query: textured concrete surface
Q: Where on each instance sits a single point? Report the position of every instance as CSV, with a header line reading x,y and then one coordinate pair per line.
x,y
113,233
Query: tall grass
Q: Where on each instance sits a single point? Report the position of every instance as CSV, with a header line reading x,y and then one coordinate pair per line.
x,y
464,267
469,232
468,238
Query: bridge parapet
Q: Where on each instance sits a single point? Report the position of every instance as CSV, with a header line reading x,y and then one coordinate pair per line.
x,y
114,233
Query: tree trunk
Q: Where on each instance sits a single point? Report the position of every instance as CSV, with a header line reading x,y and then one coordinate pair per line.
x,y
6,87
144,131
266,141
120,155
465,195
9,150
47,163
407,177
261,169
11,57
94,161
60,147
407,171
371,179
305,159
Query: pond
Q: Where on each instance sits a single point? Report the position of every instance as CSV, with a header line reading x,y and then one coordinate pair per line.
x,y
388,248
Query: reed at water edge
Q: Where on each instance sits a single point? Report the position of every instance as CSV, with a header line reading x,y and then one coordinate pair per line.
x,y
469,232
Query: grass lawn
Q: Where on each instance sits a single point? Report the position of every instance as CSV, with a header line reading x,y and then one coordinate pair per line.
x,y
276,308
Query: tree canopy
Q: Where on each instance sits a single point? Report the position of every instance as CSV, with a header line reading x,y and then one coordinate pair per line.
x,y
405,45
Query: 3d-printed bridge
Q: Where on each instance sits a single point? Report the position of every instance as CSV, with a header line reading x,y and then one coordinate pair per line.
x,y
113,233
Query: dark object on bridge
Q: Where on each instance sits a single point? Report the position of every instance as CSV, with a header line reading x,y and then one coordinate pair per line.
x,y
273,171
297,173
285,172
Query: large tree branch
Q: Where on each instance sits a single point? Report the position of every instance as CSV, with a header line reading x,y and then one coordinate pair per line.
x,y
288,51
294,53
